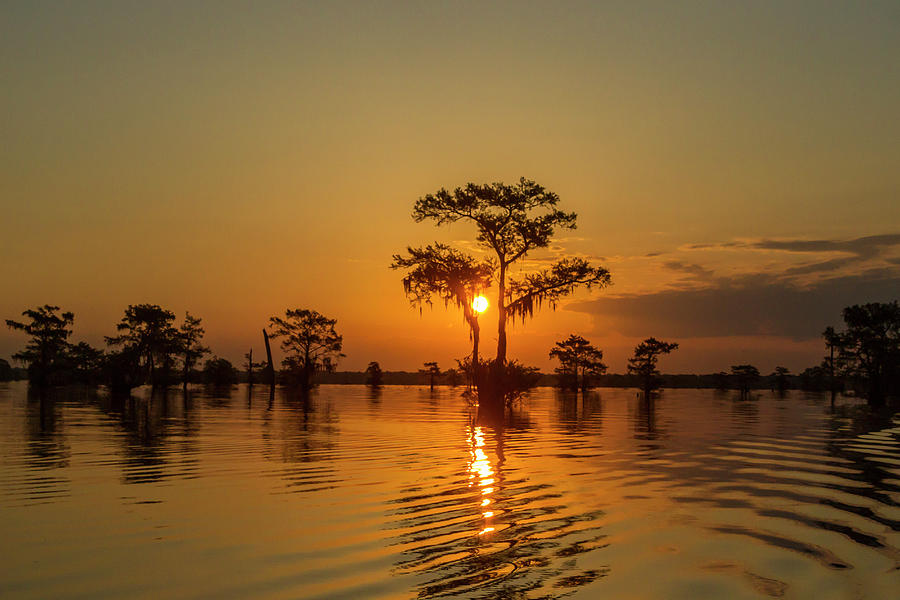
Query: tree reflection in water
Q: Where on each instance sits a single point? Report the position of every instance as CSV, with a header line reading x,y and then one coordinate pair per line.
x,y
46,447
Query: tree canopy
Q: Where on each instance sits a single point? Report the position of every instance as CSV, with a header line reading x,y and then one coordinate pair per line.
x,y
46,352
779,378
511,221
646,356
431,369
744,376
191,349
148,332
374,374
577,357
870,347
310,341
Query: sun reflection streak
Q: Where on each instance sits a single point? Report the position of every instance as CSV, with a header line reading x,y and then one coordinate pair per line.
x,y
481,474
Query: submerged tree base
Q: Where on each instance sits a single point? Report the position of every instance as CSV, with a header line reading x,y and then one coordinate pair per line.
x,y
500,384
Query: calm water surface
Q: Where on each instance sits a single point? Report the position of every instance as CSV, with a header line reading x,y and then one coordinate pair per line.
x,y
406,494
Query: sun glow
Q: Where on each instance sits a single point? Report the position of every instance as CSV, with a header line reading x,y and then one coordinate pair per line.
x,y
480,304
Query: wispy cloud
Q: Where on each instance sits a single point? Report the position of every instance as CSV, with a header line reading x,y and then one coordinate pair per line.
x,y
863,246
689,268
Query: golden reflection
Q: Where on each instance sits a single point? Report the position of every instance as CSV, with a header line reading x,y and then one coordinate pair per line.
x,y
481,475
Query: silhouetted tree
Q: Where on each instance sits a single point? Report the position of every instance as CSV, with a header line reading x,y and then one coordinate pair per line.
x,y
511,221
432,370
577,357
643,362
148,334
189,336
744,376
219,371
780,378
438,271
310,341
870,346
45,352
374,375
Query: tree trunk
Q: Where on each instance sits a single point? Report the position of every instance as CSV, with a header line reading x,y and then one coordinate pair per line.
x,y
472,319
270,368
501,316
307,378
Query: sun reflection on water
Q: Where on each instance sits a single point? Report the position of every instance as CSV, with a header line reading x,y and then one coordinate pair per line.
x,y
481,474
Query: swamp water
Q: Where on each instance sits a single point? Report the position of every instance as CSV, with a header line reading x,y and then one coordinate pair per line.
x,y
405,493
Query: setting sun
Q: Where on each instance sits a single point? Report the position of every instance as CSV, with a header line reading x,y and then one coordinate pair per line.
x,y
480,304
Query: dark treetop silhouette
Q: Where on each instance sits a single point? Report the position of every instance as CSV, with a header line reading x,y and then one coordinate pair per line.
x,y
148,333
150,344
643,363
511,221
310,341
779,378
374,374
190,334
46,352
868,349
577,357
432,370
744,377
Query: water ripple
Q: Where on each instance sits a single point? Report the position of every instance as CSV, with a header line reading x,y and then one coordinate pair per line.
x,y
412,494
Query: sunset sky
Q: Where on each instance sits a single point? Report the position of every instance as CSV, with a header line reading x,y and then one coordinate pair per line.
x,y
736,166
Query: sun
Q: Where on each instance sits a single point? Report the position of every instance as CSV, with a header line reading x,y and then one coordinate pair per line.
x,y
480,304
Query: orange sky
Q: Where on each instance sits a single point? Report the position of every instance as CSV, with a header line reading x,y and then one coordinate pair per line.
x,y
236,160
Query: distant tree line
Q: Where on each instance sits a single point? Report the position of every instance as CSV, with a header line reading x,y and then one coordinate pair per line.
x,y
864,358
150,348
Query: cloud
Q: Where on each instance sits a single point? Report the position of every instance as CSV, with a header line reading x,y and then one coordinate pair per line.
x,y
689,268
753,305
717,246
863,247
